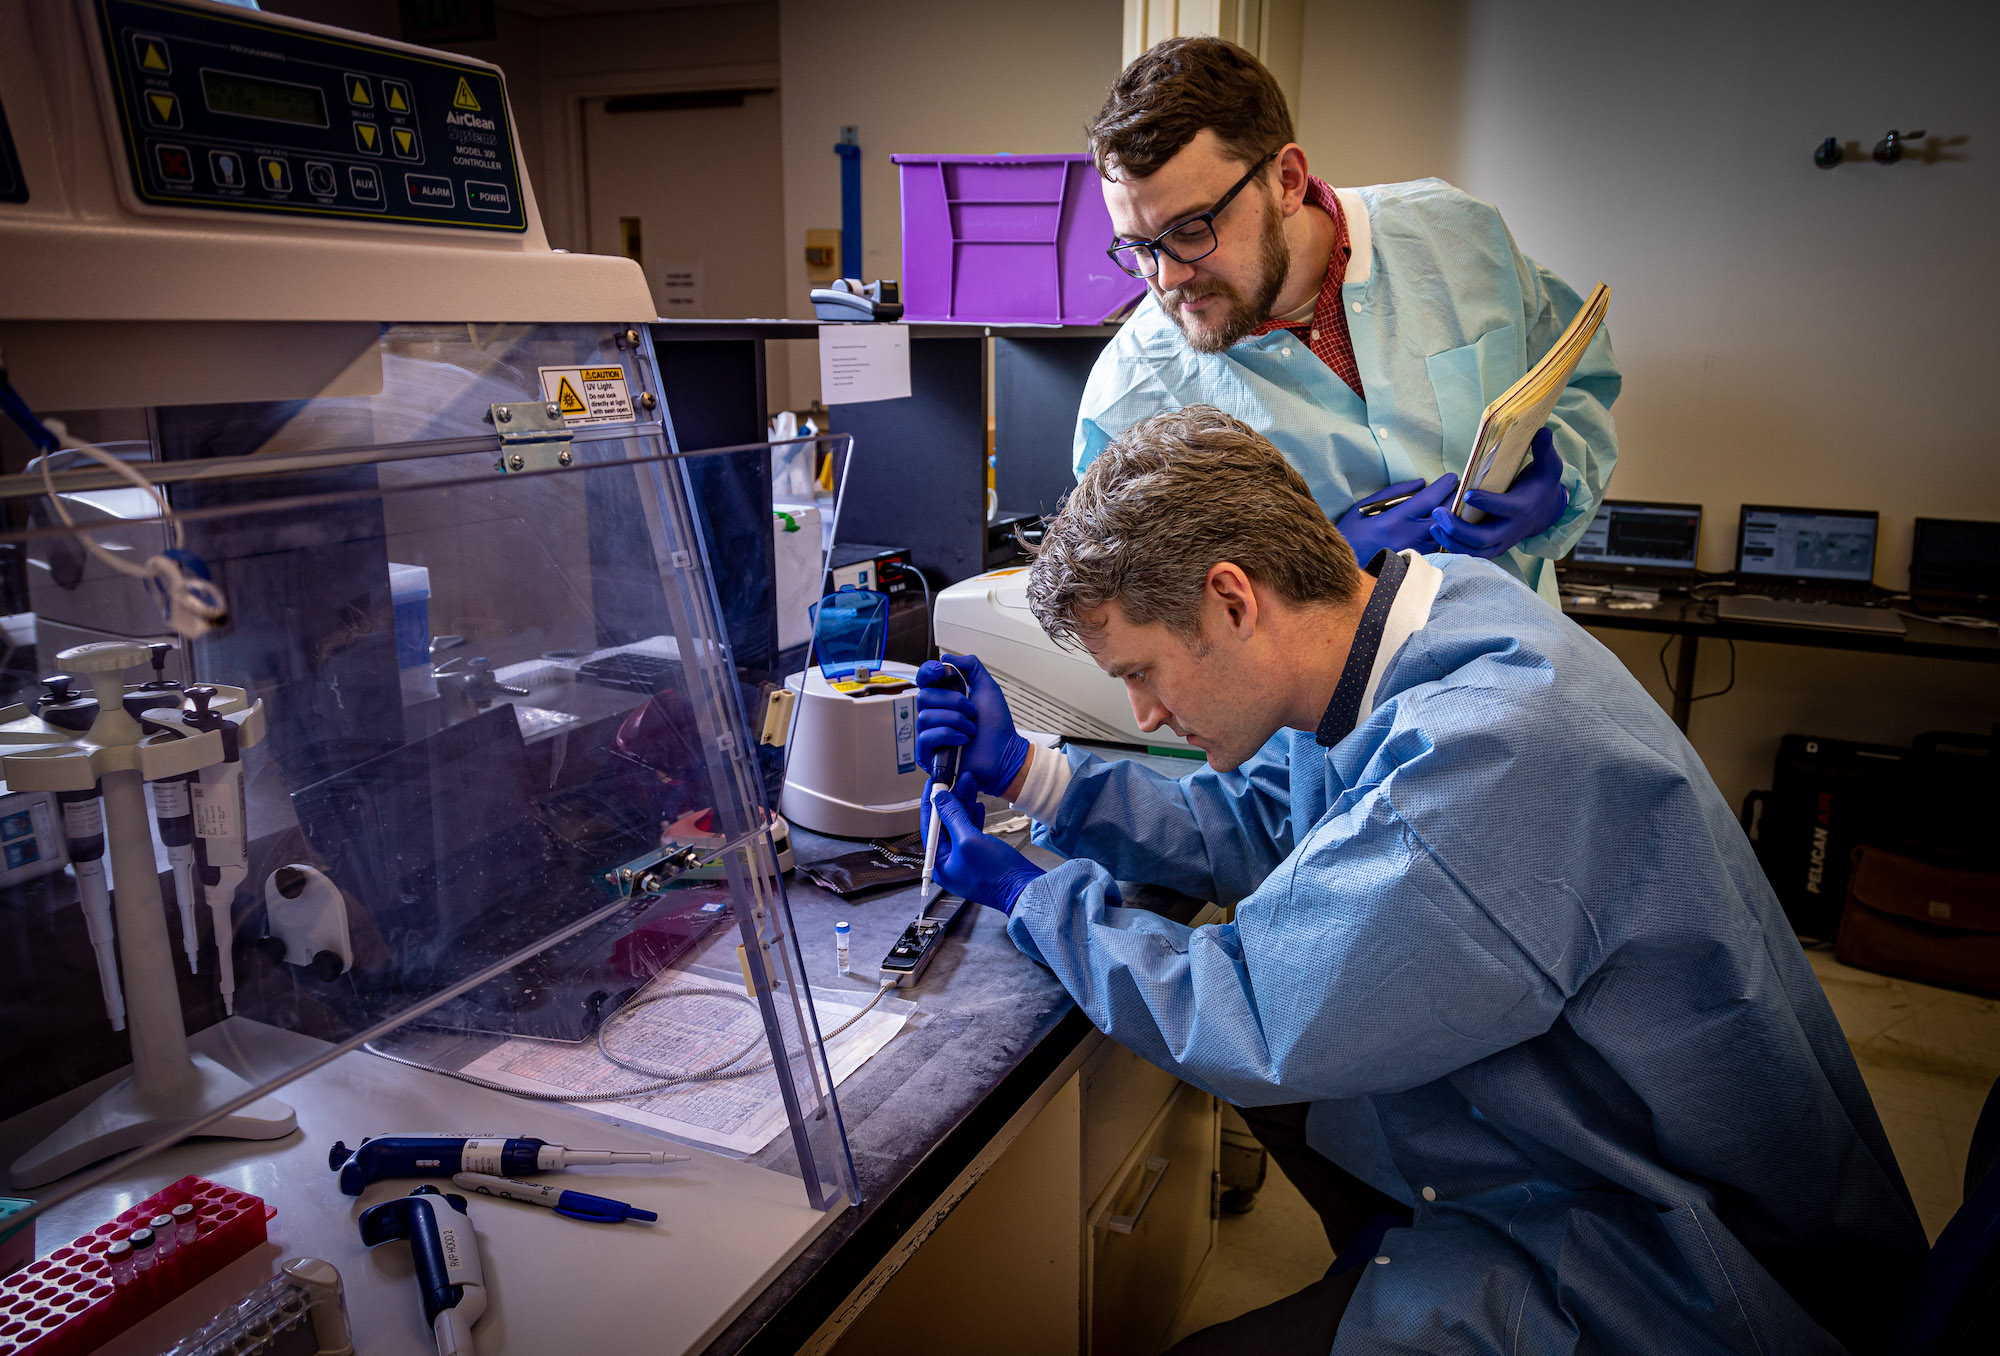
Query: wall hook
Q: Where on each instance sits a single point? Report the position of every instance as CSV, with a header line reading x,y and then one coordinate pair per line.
x,y
1828,153
1890,148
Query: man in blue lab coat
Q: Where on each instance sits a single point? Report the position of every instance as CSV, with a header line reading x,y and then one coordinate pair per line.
x,y
1363,331
1494,928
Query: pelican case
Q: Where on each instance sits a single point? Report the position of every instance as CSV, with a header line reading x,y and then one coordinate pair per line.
x,y
1828,797
1917,921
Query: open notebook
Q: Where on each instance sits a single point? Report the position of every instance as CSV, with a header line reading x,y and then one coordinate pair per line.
x,y
1512,421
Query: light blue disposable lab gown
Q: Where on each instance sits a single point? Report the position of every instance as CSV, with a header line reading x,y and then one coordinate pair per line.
x,y
1510,941
1449,316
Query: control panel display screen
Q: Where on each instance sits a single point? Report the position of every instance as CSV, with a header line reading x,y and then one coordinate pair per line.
x,y
227,92
237,111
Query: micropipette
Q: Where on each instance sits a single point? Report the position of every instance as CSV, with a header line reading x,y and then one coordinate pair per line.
x,y
440,1153
944,772
173,810
219,816
446,1252
83,826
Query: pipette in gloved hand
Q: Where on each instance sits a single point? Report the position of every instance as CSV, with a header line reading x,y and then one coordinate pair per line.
x,y
441,1153
944,773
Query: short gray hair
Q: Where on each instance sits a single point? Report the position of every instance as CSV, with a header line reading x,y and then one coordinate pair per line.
x,y
1166,501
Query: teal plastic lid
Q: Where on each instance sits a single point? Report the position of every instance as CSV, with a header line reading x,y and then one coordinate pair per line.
x,y
9,1207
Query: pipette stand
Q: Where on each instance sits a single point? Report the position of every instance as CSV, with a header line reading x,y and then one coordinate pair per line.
x,y
169,1087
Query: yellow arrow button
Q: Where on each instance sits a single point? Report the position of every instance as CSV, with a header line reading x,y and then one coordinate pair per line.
x,y
163,105
396,100
402,141
152,60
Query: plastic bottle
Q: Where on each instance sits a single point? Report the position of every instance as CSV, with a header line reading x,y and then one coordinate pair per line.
x,y
184,1220
142,1249
840,936
123,1271
166,1239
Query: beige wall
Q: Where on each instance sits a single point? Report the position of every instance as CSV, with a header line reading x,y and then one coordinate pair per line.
x,y
544,57
1381,89
1788,334
916,75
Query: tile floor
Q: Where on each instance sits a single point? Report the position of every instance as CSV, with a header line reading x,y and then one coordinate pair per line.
x,y
1928,1055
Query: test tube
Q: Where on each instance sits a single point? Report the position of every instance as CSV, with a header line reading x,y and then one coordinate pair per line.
x,y
123,1272
142,1249
840,936
166,1239
183,1223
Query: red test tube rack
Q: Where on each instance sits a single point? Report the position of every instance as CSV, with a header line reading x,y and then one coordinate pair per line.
x,y
66,1304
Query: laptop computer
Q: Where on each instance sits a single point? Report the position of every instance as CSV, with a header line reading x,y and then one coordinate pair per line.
x,y
1807,567
1637,544
1955,567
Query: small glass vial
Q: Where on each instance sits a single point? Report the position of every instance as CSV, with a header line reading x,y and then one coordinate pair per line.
x,y
840,955
142,1249
166,1241
123,1272
183,1224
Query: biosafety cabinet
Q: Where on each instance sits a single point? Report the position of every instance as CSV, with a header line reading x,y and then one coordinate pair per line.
x,y
375,744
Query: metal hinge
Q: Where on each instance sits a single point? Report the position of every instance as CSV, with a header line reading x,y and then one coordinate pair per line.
x,y
533,437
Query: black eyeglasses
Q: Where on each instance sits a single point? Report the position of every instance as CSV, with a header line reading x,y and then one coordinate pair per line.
x,y
1185,241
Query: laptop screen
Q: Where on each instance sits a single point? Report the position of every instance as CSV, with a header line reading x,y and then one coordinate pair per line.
x,y
1952,555
1642,536
1837,545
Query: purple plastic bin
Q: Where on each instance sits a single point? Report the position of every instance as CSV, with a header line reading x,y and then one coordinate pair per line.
x,y
1008,240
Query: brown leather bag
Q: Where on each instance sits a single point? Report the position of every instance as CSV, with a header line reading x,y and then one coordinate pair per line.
x,y
1917,921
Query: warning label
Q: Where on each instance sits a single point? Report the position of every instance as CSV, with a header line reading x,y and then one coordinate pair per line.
x,y
588,395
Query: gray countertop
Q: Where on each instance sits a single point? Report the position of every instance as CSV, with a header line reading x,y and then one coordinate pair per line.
x,y
990,1026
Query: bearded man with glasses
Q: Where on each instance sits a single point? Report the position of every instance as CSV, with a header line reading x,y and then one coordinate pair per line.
x,y
1363,331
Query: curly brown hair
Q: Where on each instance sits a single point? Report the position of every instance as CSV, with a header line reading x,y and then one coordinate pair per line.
x,y
1173,90
1167,500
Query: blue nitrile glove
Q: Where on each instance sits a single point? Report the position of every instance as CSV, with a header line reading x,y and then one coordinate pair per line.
x,y
1529,506
979,867
979,719
968,795
1406,527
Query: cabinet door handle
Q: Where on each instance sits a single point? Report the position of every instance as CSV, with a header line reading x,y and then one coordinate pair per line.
x,y
1156,1169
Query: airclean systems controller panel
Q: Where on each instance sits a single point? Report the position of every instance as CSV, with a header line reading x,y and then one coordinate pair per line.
x,y
236,113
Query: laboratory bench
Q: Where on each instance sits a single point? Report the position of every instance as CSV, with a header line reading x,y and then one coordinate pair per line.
x,y
994,1065
995,1036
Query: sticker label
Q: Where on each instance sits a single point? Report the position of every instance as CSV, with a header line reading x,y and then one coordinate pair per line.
x,y
483,1155
588,395
217,812
458,1243
906,733
170,799
84,818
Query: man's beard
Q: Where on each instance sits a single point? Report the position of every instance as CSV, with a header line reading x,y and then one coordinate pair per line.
x,y
1240,314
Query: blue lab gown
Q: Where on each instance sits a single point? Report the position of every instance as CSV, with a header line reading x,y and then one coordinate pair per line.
x,y
1508,939
1445,316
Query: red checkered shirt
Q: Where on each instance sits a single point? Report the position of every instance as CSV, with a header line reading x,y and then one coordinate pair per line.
x,y
1327,335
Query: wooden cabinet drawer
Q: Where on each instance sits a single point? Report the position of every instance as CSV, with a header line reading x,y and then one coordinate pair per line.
x,y
1153,1229
1122,1093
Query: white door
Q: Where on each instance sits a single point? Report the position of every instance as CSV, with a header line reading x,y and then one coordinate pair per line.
x,y
695,193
